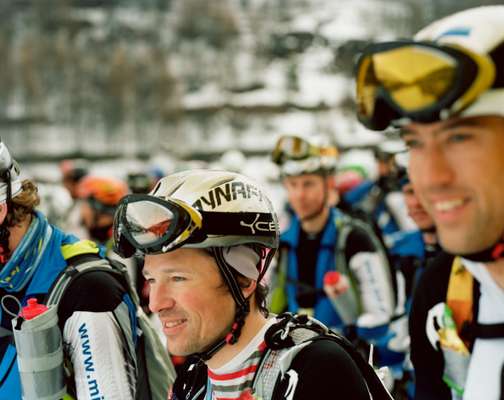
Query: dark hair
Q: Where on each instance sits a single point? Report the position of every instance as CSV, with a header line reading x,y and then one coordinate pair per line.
x,y
23,205
261,291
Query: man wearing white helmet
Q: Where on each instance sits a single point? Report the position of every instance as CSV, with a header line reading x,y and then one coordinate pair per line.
x,y
320,241
445,89
208,237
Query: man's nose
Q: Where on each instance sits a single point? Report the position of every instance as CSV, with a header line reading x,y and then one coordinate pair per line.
x,y
435,170
160,299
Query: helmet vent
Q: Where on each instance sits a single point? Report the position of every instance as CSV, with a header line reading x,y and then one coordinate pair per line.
x,y
174,189
156,188
223,182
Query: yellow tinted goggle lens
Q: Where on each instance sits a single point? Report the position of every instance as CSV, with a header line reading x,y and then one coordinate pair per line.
x,y
415,77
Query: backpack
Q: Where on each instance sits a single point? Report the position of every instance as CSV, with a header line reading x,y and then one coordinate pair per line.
x,y
345,225
293,332
155,370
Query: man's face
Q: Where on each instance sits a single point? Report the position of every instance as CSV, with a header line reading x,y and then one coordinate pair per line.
x,y
306,193
415,209
187,292
457,169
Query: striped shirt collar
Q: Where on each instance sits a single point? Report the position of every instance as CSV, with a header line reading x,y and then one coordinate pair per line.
x,y
230,380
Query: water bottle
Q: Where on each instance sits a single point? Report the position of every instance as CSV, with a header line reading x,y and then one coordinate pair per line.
x,y
338,288
39,352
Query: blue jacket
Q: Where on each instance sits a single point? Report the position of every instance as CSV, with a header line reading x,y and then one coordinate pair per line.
x,y
380,214
52,264
326,260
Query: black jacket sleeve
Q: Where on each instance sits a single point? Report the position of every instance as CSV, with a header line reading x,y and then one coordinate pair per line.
x,y
428,362
325,371
95,291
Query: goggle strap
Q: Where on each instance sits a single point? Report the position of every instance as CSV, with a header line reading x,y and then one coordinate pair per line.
x,y
240,223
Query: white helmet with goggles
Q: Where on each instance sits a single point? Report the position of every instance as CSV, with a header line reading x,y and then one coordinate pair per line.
x,y
296,156
223,211
453,67
199,208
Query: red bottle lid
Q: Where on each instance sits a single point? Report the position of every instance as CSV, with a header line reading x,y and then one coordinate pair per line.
x,y
332,278
33,309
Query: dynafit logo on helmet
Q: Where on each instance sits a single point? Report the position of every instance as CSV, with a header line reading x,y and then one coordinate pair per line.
x,y
228,192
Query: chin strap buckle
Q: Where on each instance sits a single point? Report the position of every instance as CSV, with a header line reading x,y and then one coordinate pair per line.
x,y
498,251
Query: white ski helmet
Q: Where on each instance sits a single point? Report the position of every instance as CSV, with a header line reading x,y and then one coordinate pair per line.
x,y
199,209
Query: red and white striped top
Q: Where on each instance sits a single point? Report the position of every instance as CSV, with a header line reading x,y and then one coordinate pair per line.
x,y
230,381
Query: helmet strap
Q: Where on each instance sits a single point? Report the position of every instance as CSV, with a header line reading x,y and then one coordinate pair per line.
x,y
490,254
242,306
230,338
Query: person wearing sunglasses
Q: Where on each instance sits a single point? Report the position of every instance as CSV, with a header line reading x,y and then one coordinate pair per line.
x,y
445,91
208,238
321,240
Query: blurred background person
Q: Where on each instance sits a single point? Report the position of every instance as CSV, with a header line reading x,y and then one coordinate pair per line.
x,y
72,172
320,241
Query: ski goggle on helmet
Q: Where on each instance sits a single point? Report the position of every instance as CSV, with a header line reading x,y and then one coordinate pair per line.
x,y
453,67
296,156
199,208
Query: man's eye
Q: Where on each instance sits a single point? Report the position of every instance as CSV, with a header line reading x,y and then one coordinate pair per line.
x,y
150,281
459,137
178,279
412,143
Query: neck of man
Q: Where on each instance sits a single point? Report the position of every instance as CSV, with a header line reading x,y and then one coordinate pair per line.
x,y
316,223
253,324
496,270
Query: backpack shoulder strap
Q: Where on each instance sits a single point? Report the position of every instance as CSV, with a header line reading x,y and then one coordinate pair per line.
x,y
345,225
77,266
459,296
460,299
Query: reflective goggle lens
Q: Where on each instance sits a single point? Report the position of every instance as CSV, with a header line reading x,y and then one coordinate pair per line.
x,y
148,222
415,77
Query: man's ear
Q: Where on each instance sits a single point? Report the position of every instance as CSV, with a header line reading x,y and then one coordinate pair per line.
x,y
3,212
248,290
